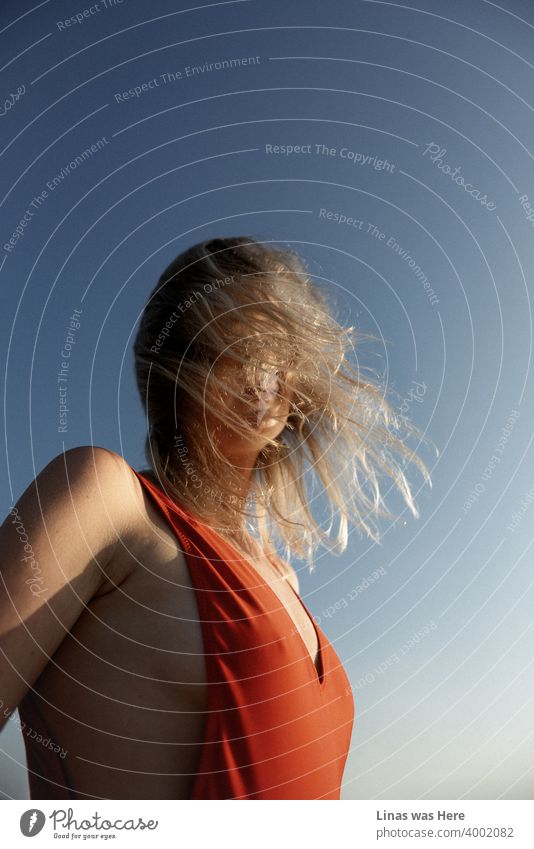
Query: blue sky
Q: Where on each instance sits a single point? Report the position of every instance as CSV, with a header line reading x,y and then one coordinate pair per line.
x,y
414,121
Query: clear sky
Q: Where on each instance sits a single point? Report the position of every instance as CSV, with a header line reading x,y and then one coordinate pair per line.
x,y
135,130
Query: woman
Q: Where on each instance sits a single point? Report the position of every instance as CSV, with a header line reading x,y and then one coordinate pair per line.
x,y
164,652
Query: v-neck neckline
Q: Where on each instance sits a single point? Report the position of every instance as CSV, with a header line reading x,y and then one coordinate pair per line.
x,y
319,665
317,668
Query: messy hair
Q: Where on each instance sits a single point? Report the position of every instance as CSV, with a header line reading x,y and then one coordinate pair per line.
x,y
249,302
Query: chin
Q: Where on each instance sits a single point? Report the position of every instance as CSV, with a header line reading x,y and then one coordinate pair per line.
x,y
271,428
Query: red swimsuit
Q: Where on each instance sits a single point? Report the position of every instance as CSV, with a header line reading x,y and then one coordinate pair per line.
x,y
277,726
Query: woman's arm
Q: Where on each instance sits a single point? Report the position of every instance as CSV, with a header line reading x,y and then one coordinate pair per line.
x,y
56,549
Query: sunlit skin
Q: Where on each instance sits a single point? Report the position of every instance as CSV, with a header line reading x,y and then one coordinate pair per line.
x,y
271,409
126,694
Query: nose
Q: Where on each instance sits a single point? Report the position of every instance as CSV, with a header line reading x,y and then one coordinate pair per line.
x,y
266,392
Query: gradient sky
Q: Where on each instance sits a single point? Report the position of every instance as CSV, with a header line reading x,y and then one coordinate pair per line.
x,y
434,91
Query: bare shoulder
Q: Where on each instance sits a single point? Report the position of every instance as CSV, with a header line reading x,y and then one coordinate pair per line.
x,y
83,473
100,476
57,550
88,460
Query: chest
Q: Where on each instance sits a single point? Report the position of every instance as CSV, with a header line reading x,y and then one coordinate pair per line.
x,y
189,586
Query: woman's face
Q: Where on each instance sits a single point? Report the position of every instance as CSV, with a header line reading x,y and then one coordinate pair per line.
x,y
263,405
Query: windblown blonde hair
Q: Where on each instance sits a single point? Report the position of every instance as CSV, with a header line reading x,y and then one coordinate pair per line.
x,y
256,305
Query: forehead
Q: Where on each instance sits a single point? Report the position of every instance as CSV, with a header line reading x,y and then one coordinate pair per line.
x,y
254,341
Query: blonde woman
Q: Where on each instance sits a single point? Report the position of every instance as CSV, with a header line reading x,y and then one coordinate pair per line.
x,y
161,649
